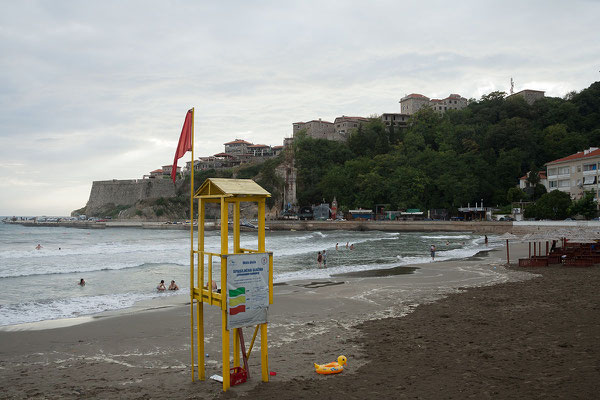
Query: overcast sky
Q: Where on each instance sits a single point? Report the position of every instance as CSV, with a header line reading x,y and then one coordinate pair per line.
x,y
96,90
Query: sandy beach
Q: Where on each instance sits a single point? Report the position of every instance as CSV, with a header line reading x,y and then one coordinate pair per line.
x,y
527,334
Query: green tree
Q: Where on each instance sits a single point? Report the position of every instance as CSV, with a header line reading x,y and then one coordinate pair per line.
x,y
515,194
586,206
553,205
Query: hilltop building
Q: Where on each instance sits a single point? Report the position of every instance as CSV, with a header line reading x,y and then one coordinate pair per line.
x,y
344,125
339,130
317,129
237,146
414,102
530,96
395,119
575,174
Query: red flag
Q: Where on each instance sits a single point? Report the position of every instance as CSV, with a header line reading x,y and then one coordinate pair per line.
x,y
185,142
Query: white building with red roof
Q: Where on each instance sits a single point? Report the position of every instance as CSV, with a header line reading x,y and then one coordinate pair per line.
x,y
523,184
575,174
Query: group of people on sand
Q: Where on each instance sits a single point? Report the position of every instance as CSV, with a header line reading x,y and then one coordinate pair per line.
x,y
161,286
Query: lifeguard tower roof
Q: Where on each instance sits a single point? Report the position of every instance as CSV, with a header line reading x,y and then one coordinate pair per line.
x,y
231,187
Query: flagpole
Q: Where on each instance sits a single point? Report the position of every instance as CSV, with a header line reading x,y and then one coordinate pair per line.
x,y
192,249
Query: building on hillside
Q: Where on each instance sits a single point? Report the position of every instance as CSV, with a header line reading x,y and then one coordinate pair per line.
x,y
317,129
276,150
188,166
524,185
260,150
530,96
168,168
210,162
156,173
575,174
395,119
288,142
237,146
414,102
344,125
227,160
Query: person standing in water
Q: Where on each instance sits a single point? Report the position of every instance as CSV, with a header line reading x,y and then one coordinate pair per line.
x,y
161,286
81,282
432,249
324,259
319,259
486,240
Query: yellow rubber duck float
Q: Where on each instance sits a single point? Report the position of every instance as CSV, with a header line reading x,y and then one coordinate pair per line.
x,y
333,367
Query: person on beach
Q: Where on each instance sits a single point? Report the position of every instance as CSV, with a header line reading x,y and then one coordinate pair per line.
x,y
336,246
324,259
38,247
81,282
161,286
173,286
432,249
346,244
319,259
352,246
486,240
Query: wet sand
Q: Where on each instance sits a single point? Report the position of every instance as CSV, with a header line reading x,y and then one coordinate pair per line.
x,y
527,338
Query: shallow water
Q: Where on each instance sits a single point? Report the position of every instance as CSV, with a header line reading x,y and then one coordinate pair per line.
x,y
123,265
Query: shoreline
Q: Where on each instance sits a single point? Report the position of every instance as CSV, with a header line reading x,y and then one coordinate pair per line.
x,y
127,355
479,227
489,227
174,300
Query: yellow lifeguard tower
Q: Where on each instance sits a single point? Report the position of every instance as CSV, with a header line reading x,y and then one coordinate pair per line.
x,y
246,276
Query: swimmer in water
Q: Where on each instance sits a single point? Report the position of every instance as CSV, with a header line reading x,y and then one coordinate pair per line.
x,y
81,282
38,247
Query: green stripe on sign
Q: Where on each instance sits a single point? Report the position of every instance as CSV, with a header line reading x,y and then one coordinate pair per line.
x,y
237,292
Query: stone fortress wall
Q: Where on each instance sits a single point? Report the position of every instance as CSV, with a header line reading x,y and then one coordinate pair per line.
x,y
128,192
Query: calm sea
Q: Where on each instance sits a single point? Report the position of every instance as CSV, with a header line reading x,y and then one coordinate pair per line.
x,y
122,266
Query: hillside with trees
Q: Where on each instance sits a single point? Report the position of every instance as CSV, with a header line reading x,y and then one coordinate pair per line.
x,y
449,160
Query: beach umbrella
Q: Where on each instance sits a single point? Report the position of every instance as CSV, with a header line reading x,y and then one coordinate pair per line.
x,y
508,236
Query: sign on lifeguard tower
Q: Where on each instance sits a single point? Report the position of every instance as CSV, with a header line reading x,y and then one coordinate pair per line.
x,y
247,289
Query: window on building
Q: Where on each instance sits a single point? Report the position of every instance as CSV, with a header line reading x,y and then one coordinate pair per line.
x,y
563,171
552,171
355,125
589,167
553,184
589,180
564,183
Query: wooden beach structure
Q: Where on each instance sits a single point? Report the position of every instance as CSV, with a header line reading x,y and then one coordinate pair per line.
x,y
226,193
